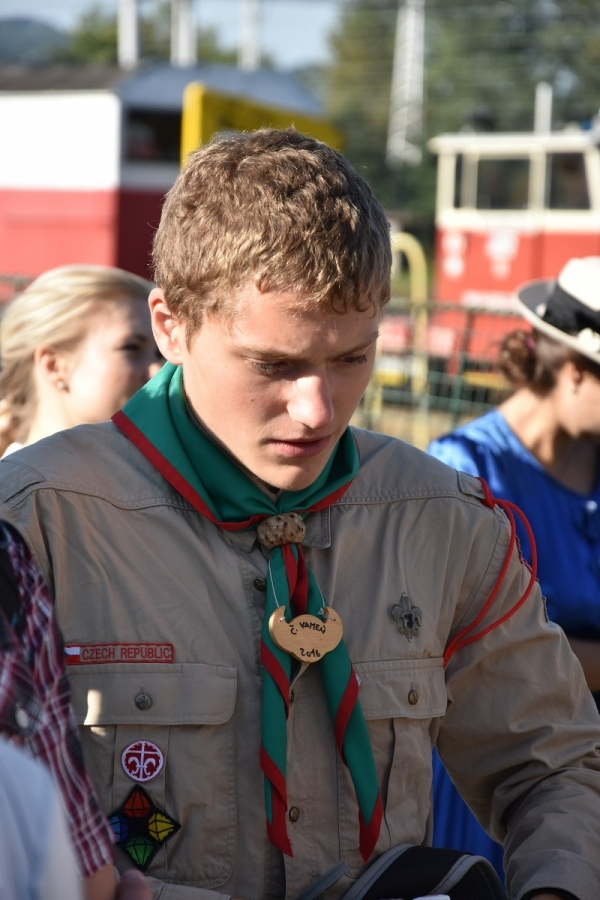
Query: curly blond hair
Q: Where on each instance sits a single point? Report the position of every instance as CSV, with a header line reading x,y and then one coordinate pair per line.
x,y
276,208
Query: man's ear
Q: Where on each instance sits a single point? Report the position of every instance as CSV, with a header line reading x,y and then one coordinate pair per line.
x,y
169,330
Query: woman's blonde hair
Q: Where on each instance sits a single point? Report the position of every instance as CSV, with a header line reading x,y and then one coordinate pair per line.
x,y
53,311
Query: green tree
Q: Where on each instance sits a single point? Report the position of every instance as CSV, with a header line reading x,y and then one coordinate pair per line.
x,y
482,63
358,99
94,38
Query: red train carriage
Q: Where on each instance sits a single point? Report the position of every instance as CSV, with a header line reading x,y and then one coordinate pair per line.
x,y
88,153
510,207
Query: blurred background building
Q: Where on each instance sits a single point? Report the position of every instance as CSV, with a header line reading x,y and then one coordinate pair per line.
x,y
475,123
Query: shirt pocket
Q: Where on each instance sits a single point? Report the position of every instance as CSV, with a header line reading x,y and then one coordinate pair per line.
x,y
186,710
399,699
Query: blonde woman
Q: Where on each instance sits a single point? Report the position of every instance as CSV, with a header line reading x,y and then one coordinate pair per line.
x,y
74,346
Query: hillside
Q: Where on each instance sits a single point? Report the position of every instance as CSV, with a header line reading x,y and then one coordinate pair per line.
x,y
28,42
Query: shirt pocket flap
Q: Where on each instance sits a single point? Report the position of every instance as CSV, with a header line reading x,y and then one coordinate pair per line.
x,y
169,694
410,688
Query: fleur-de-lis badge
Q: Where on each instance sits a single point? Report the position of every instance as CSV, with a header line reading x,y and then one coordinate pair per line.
x,y
407,617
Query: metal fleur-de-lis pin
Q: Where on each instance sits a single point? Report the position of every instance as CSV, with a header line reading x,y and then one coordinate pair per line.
x,y
407,617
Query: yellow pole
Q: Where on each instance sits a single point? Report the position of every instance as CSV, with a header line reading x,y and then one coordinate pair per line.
x,y
417,264
191,119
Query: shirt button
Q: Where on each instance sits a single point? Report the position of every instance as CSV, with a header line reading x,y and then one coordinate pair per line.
x,y
294,814
413,698
21,718
260,584
143,701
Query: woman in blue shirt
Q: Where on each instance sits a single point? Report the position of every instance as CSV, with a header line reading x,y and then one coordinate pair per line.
x,y
539,449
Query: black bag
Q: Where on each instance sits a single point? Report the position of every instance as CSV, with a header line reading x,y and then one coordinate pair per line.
x,y
408,871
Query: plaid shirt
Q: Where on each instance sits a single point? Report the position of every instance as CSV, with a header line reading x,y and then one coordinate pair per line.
x,y
34,706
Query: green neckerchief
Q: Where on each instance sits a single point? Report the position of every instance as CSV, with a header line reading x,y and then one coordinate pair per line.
x,y
156,420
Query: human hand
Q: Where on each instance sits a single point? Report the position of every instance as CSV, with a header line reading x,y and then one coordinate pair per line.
x,y
101,885
133,886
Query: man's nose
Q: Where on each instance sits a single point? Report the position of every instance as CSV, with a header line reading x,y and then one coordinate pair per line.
x,y
311,403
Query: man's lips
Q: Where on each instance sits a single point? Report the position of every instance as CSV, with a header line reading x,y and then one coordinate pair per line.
x,y
300,447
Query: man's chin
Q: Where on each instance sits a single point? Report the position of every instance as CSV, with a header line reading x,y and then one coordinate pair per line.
x,y
291,477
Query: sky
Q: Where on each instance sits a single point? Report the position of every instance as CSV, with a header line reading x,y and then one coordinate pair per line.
x,y
293,32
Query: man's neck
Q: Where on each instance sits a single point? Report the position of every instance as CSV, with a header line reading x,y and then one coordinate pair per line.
x,y
268,489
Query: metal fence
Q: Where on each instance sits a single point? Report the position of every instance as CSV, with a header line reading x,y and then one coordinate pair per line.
x,y
456,347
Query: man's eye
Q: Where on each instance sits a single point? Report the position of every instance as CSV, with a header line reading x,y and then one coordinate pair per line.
x,y
265,368
354,360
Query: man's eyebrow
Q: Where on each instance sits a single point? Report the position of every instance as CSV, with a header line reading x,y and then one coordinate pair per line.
x,y
274,353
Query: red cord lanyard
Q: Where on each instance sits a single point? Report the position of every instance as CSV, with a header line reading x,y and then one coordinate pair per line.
x,y
464,637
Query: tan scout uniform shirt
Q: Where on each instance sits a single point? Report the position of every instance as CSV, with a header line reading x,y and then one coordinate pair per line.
x,y
131,563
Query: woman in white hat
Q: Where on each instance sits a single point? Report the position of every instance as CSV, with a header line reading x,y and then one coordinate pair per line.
x,y
540,449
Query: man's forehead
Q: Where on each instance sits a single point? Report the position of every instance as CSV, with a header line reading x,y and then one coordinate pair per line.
x,y
288,323
304,335
247,344
299,301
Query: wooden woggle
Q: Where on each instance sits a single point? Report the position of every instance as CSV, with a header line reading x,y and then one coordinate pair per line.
x,y
306,637
284,528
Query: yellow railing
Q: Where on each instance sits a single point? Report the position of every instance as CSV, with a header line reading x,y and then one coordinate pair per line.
x,y
402,242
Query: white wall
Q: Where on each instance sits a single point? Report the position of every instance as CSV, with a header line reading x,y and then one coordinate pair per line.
x,y
63,140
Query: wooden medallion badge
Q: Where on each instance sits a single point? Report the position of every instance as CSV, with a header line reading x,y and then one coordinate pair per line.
x,y
306,638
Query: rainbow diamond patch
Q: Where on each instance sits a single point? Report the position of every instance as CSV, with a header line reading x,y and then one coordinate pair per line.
x,y
140,827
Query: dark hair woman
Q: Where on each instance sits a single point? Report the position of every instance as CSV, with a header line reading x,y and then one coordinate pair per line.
x,y
540,449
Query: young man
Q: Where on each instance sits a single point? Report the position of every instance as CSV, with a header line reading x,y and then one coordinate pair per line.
x,y
208,548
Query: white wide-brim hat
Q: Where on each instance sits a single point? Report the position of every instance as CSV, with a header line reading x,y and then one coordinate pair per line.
x,y
567,308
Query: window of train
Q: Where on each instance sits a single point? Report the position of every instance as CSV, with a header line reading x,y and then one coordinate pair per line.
x,y
503,183
566,182
458,179
152,136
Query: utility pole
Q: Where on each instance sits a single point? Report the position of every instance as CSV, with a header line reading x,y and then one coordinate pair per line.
x,y
184,44
542,118
249,47
406,101
127,34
